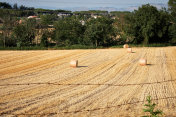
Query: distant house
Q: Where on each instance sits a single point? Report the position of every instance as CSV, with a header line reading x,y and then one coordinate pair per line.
x,y
64,14
51,26
82,22
37,18
30,17
94,16
113,18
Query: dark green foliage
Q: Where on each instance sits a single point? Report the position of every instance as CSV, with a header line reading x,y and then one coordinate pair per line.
x,y
6,28
25,33
172,33
68,31
99,32
150,108
120,13
148,25
15,13
172,28
47,20
44,40
5,5
15,6
172,7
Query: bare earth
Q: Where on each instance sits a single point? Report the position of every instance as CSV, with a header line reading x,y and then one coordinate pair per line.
x,y
108,82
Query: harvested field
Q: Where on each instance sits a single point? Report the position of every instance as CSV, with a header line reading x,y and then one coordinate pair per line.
x,y
107,82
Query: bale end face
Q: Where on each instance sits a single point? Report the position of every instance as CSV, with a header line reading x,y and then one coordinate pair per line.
x,y
129,50
126,46
143,62
74,63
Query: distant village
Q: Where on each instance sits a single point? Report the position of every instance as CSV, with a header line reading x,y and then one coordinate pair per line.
x,y
87,14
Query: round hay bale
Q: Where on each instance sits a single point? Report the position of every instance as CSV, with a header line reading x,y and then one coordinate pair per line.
x,y
129,50
74,63
126,46
143,62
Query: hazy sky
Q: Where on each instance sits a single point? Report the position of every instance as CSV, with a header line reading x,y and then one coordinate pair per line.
x,y
66,4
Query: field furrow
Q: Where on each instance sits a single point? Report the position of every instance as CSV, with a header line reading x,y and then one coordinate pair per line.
x,y
107,82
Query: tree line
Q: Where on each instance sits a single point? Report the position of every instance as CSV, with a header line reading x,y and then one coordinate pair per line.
x,y
145,26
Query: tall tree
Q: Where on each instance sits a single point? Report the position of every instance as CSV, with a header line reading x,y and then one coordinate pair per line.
x,y
172,6
172,28
15,6
25,33
99,32
68,31
148,25
5,5
8,23
47,20
44,39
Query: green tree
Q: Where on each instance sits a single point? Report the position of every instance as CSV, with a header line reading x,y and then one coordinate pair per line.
x,y
68,31
19,34
8,23
172,28
15,6
5,5
25,33
172,33
1,40
150,108
44,40
148,25
47,20
99,32
172,6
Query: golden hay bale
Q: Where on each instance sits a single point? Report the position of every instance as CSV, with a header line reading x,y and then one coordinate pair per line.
x,y
126,46
143,61
129,50
74,63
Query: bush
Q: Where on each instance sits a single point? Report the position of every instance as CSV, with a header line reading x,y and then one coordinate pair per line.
x,y
44,40
150,108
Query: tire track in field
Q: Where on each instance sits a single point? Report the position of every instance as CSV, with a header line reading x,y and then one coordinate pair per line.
x,y
37,69
36,86
34,64
97,93
107,91
22,59
158,73
80,106
35,80
42,99
9,54
21,56
49,67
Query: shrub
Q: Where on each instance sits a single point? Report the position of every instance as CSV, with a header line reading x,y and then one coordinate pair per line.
x,y
150,108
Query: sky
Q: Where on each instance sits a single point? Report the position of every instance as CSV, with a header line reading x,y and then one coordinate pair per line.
x,y
74,5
